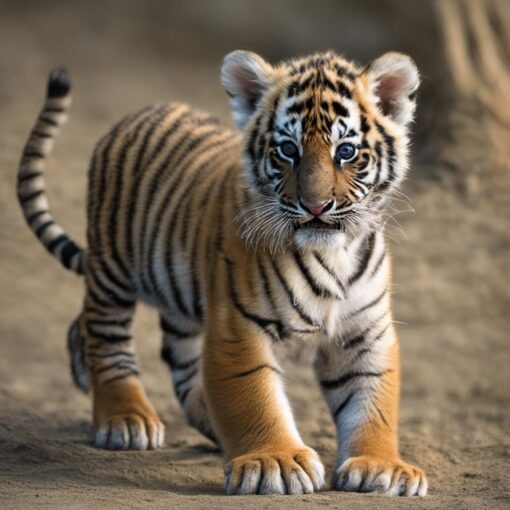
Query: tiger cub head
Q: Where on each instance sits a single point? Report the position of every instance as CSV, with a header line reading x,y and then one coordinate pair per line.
x,y
325,143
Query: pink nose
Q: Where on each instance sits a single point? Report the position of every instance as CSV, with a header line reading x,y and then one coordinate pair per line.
x,y
316,209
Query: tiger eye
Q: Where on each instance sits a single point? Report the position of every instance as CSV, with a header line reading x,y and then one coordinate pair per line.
x,y
289,149
345,152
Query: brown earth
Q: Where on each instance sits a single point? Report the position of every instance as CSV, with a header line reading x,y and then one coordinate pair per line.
x,y
451,275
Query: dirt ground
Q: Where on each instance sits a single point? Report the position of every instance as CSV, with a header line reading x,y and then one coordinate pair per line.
x,y
451,289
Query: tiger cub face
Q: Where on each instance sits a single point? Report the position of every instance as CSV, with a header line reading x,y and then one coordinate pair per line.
x,y
325,143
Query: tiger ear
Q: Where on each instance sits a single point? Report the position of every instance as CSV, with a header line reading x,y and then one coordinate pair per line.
x,y
393,79
245,76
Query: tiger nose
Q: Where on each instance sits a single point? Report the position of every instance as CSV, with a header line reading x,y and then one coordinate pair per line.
x,y
317,209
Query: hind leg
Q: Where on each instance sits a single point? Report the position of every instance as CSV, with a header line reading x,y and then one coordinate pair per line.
x,y
183,355
123,416
76,348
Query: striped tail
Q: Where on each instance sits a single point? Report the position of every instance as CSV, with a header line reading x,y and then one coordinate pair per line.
x,y
31,186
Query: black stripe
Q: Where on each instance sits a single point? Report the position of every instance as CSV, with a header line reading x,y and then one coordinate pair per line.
x,y
261,322
366,249
380,335
344,379
372,303
120,365
279,186
109,292
41,228
122,376
34,216
168,356
343,90
318,291
266,285
297,108
55,243
359,338
170,329
254,370
54,109
92,294
110,276
378,152
390,150
343,405
292,299
359,354
109,322
109,337
29,176
231,341
112,280
102,355
381,415
340,110
252,140
355,340
196,293
30,196
377,265
67,254
182,397
182,382
47,120
98,311
220,234
330,271
40,134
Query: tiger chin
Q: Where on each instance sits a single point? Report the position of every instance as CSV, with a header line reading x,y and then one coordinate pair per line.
x,y
249,242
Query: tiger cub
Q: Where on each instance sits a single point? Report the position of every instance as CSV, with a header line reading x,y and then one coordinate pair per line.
x,y
250,242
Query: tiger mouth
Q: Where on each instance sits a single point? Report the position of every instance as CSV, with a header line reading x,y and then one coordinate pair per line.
x,y
318,224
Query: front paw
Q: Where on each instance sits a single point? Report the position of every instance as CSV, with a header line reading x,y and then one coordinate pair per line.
x,y
371,474
293,471
129,431
124,419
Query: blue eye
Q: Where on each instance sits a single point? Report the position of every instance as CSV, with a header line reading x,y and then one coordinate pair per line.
x,y
289,150
345,152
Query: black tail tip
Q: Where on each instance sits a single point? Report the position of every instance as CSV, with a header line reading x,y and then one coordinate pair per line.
x,y
59,83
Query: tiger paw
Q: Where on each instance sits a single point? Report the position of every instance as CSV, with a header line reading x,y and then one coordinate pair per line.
x,y
124,419
129,432
371,474
294,471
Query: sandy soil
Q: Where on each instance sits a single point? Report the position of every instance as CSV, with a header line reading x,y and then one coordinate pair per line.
x,y
451,292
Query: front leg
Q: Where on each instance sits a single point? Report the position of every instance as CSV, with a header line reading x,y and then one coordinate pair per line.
x,y
251,414
360,380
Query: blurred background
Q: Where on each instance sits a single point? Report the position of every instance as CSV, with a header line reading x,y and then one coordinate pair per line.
x,y
451,255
